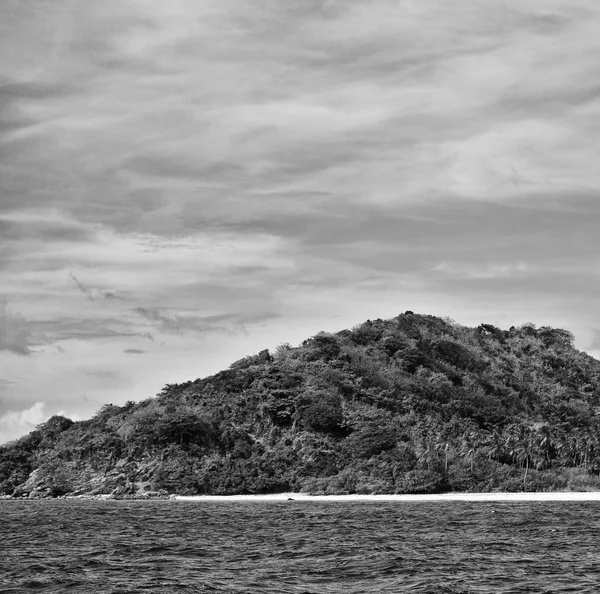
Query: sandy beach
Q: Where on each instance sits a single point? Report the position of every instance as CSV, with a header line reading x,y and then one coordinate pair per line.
x,y
556,496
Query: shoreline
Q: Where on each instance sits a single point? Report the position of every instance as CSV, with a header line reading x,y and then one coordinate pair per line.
x,y
291,497
484,497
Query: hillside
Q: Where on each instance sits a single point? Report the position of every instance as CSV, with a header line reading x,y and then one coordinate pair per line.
x,y
414,404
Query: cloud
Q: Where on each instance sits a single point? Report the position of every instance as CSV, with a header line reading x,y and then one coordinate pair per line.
x,y
92,294
73,417
79,328
169,322
85,290
15,334
134,351
14,424
309,112
483,271
23,227
355,101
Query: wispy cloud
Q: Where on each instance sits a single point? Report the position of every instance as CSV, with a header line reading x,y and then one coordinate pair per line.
x,y
352,119
169,322
85,290
92,294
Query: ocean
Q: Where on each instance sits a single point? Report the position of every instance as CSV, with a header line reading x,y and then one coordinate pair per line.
x,y
298,547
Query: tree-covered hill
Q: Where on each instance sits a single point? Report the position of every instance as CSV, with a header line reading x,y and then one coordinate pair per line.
x,y
414,404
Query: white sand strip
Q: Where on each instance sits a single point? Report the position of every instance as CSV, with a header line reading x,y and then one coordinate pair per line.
x,y
555,496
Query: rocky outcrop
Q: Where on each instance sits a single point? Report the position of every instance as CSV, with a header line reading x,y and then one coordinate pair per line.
x,y
122,482
36,486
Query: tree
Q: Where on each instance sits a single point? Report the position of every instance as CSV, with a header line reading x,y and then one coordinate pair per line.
x,y
521,447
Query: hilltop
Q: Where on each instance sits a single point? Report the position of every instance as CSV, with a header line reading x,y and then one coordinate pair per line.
x,y
413,404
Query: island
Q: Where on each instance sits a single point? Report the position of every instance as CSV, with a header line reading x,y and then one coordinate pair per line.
x,y
416,404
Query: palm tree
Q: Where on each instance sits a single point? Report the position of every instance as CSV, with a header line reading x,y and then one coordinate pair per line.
x,y
494,445
569,451
594,460
444,447
471,441
543,445
587,447
520,446
422,451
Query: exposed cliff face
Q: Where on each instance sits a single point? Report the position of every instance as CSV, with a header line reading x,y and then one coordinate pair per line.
x,y
116,482
411,404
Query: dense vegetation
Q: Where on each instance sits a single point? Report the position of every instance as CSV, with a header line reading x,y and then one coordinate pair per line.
x,y
415,404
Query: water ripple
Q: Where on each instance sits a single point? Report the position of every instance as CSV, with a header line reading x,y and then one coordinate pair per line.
x,y
298,548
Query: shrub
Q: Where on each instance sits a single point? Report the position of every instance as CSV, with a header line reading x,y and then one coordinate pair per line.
x,y
321,411
420,481
371,439
326,346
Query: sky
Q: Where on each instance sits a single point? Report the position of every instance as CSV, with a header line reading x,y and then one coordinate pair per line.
x,y
184,183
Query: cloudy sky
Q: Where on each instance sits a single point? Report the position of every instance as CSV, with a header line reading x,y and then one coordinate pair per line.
x,y
184,183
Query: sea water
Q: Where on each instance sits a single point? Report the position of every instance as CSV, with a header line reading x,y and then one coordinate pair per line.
x,y
298,547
